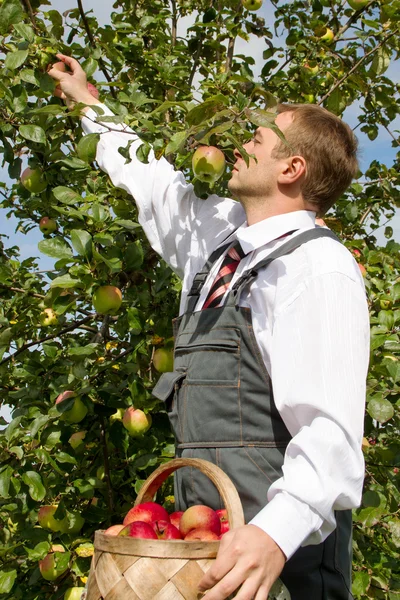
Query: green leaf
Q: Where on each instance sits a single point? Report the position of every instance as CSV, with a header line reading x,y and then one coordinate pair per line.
x,y
377,341
380,409
90,66
39,551
50,109
13,429
7,579
29,76
34,133
38,424
177,142
55,248
394,528
82,242
87,350
126,224
361,581
380,62
393,368
264,118
10,13
206,109
25,31
75,164
134,321
15,59
87,147
67,195
63,457
142,153
65,281
34,482
5,479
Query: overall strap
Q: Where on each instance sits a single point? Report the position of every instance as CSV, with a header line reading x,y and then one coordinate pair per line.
x,y
291,245
202,275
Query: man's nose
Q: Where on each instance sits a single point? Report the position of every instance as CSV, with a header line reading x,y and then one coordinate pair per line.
x,y
237,154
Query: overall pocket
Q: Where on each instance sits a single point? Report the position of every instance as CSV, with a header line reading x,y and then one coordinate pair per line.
x,y
167,389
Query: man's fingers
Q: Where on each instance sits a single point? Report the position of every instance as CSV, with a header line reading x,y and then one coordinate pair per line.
x,y
72,63
56,73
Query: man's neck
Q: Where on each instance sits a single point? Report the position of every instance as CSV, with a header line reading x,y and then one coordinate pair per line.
x,y
256,212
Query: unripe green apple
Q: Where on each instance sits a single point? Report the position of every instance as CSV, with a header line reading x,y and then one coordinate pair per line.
x,y
74,593
46,517
136,422
357,4
118,415
76,439
208,163
328,36
309,98
48,317
47,225
252,4
310,68
33,180
163,360
48,565
107,300
78,410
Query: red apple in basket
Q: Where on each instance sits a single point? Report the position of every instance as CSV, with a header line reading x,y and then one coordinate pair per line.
x,y
204,535
114,529
166,531
138,529
223,517
147,512
175,517
199,516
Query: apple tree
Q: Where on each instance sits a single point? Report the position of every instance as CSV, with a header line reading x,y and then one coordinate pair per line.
x,y
98,324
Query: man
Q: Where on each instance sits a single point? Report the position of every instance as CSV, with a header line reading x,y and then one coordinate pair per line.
x,y
270,367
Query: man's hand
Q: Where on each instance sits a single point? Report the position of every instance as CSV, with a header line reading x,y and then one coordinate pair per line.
x,y
247,557
72,84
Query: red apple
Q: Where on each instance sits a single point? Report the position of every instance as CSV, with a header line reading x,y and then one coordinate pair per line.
x,y
46,518
147,512
93,90
199,517
208,163
136,422
139,529
48,565
175,517
223,517
114,530
363,270
166,531
107,299
78,410
47,225
33,180
205,535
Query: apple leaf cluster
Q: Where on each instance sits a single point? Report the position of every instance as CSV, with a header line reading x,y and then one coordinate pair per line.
x,y
177,74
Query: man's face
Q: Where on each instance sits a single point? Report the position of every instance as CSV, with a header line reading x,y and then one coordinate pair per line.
x,y
259,179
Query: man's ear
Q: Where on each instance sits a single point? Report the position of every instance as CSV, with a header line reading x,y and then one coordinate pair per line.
x,y
293,168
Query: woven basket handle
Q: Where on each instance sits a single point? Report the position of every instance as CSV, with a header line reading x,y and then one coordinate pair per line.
x,y
224,485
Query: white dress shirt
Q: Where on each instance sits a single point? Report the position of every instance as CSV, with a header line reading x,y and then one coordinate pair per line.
x,y
310,319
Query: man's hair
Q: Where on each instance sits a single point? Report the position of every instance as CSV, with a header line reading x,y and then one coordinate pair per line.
x,y
329,148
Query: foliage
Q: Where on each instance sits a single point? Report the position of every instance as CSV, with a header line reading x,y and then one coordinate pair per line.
x,y
177,92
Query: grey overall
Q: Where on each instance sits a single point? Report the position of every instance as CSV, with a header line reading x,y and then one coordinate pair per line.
x,y
221,408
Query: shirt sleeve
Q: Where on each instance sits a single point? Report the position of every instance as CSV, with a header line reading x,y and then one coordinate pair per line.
x,y
182,228
319,364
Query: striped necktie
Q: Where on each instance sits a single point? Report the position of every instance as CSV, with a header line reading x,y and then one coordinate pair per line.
x,y
224,276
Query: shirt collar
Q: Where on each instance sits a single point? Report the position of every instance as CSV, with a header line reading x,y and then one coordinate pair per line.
x,y
252,237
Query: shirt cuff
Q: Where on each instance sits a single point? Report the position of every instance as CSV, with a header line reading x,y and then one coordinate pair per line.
x,y
288,521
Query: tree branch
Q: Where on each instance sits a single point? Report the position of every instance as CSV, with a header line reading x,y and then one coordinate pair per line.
x,y
232,39
28,8
93,44
21,291
354,17
71,327
355,67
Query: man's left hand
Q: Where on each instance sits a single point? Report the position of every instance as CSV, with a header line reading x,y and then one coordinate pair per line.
x,y
249,559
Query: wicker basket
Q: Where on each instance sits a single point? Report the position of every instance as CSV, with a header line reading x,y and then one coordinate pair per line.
x,y
135,569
